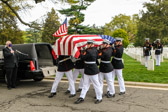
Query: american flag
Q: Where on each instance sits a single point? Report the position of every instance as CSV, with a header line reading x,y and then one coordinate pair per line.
x,y
111,39
62,31
71,44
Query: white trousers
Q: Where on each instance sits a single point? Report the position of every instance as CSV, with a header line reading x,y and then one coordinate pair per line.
x,y
157,59
76,73
88,79
58,78
109,81
118,72
146,60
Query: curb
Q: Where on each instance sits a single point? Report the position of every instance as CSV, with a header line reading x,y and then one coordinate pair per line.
x,y
127,83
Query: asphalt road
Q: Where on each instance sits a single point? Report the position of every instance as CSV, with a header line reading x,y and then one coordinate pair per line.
x,y
32,96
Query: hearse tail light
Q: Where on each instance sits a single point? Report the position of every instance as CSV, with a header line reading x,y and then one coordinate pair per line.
x,y
32,66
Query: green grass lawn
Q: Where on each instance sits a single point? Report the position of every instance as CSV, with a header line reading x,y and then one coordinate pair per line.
x,y
134,71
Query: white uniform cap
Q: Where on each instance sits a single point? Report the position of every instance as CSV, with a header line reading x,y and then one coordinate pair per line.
x,y
89,41
146,38
105,41
158,40
119,39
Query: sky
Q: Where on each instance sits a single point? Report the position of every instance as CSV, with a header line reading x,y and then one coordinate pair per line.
x,y
99,12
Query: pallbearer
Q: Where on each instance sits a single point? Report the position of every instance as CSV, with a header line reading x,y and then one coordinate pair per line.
x,y
106,68
147,51
158,50
79,69
118,65
65,66
90,73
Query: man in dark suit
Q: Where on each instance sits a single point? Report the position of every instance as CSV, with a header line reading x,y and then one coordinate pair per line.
x,y
11,64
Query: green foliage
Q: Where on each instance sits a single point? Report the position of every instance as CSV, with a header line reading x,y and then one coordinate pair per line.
x,y
121,21
76,15
8,25
87,30
32,36
122,34
50,26
154,22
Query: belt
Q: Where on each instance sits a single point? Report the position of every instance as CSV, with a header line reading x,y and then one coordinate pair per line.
x,y
78,59
64,60
105,61
158,49
90,62
117,58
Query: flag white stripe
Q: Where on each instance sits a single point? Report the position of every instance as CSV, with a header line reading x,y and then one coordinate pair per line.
x,y
61,45
57,47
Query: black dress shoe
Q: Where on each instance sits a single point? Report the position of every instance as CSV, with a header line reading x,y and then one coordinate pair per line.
x,y
79,100
67,92
121,93
13,86
98,101
72,95
51,95
108,92
79,90
110,95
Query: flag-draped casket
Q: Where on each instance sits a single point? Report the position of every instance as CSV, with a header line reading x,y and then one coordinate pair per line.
x,y
71,44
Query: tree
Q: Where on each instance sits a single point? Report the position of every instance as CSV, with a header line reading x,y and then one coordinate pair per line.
x,y
90,30
50,26
23,4
8,26
19,4
122,34
32,36
121,21
154,22
76,15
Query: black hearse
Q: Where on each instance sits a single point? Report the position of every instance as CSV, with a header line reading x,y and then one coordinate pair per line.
x,y
40,62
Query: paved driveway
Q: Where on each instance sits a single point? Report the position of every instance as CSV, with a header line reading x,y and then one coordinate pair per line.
x,y
32,96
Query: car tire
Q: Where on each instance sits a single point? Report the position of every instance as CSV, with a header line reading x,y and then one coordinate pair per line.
x,y
38,79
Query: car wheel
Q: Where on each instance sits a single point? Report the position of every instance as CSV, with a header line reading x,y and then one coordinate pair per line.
x,y
38,79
